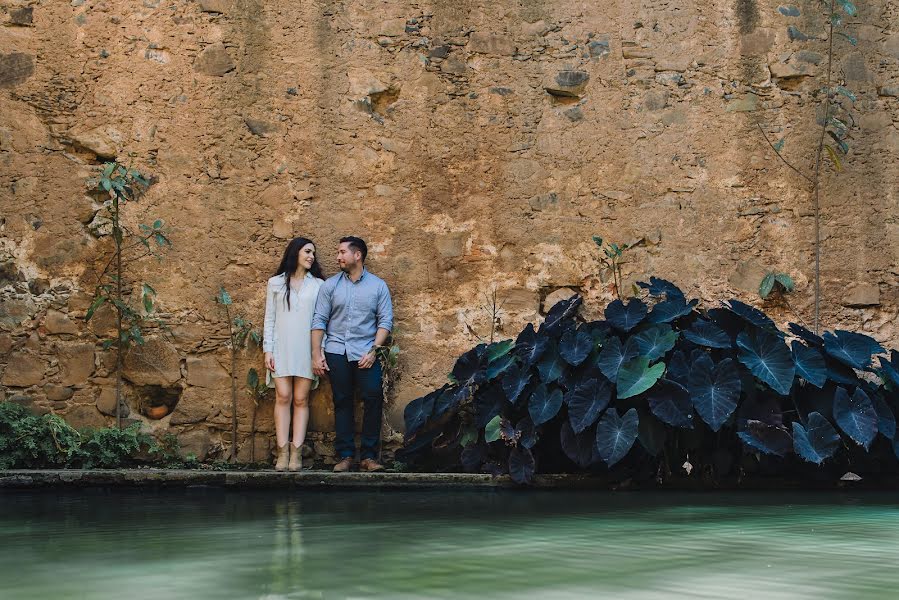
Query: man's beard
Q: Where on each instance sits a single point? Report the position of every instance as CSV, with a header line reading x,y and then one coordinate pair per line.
x,y
345,268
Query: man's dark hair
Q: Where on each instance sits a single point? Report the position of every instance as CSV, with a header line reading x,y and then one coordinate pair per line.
x,y
356,244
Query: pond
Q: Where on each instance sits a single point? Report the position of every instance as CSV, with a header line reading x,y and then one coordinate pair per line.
x,y
221,544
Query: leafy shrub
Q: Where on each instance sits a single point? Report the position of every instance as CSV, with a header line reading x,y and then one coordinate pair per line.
x,y
660,384
29,441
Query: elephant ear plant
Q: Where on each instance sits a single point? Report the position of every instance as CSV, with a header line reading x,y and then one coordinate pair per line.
x,y
657,384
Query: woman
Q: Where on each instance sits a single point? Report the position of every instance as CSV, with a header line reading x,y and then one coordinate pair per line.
x,y
289,304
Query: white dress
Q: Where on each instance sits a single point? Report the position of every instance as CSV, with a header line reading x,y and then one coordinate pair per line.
x,y
287,333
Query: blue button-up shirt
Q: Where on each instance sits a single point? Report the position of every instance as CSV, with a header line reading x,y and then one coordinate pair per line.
x,y
351,313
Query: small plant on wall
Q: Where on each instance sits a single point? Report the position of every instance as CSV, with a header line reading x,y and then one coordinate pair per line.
x,y
833,104
240,332
258,390
119,186
610,259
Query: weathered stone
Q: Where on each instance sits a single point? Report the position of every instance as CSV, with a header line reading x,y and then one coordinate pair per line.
x,y
21,15
544,201
24,369
567,83
781,70
748,276
15,68
759,42
557,296
85,417
490,43
196,443
282,229
13,311
56,393
5,345
748,103
392,27
599,48
890,91
215,6
106,401
76,363
97,141
863,294
197,404
451,245
673,63
454,66
59,323
891,45
855,69
214,60
519,300
155,362
205,371
655,100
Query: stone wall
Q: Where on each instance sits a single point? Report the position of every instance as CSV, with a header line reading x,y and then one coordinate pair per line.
x,y
476,145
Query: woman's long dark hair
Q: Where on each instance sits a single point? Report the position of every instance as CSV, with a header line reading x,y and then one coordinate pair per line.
x,y
290,261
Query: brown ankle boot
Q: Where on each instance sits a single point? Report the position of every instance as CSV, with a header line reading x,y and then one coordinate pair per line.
x,y
281,463
296,458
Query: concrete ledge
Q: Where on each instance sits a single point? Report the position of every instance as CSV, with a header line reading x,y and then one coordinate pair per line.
x,y
182,478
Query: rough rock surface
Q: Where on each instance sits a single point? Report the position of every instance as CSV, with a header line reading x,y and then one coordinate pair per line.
x,y
477,146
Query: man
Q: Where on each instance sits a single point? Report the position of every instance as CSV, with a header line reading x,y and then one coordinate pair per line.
x,y
355,310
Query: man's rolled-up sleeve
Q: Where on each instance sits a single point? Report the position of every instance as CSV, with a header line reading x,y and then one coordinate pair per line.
x,y
322,308
385,309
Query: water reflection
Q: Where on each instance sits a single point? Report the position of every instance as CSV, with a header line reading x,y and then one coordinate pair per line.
x,y
208,543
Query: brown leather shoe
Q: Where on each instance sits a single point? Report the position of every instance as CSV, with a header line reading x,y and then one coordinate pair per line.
x,y
344,465
370,465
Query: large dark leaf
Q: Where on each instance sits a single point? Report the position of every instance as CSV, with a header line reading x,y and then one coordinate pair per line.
x,y
661,287
768,439
768,358
715,390
886,420
578,446
544,404
855,415
671,309
706,333
817,440
613,355
529,345
810,364
889,369
840,373
500,366
636,376
515,381
851,349
473,457
670,402
615,435
754,316
488,402
498,350
521,465
528,432
417,412
551,365
805,335
654,341
469,369
560,314
679,367
450,400
651,433
625,316
576,346
586,401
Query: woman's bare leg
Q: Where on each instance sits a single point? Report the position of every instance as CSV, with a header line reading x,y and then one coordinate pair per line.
x,y
301,388
283,390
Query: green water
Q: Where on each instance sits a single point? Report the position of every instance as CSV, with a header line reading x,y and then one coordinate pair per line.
x,y
215,544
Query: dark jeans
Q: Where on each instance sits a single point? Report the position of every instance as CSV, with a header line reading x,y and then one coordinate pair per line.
x,y
346,377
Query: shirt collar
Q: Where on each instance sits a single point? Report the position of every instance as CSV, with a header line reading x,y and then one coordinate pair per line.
x,y
361,277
